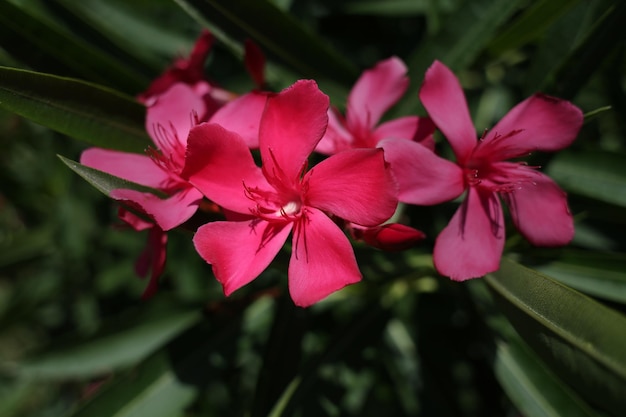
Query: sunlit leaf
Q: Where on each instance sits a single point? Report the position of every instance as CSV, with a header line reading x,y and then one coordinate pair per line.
x,y
582,341
596,174
84,111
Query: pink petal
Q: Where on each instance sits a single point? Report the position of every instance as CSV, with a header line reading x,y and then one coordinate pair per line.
x,y
322,260
243,116
337,138
376,90
354,185
240,251
442,96
418,129
219,163
541,123
423,177
174,111
540,212
472,243
129,166
137,223
166,212
293,123
390,237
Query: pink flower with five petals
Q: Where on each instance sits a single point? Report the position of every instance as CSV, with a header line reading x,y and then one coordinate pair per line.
x,y
281,197
376,90
472,243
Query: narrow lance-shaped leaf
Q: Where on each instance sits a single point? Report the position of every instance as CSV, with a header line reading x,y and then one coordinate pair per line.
x,y
594,273
84,111
595,174
126,25
530,25
166,383
607,35
464,34
105,182
534,390
112,350
581,340
25,24
153,389
279,34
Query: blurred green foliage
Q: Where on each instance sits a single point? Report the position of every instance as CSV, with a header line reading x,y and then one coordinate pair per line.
x,y
76,338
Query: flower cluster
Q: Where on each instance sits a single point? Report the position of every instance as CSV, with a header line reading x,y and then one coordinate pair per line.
x,y
205,139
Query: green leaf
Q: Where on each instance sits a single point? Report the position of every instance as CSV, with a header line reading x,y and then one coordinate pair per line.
x,y
607,35
84,111
278,34
581,340
26,26
153,389
398,8
534,390
105,182
594,273
123,344
166,383
530,25
596,174
464,35
130,28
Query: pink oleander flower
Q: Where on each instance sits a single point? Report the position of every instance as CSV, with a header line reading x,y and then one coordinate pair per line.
x,y
376,90
472,243
268,203
168,121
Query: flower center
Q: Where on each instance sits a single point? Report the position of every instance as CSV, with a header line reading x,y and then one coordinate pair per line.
x,y
500,177
271,206
290,209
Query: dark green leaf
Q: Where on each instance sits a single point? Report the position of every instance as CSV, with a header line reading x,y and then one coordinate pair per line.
x,y
130,28
168,380
25,25
581,340
127,344
105,182
153,389
464,35
401,8
598,274
534,390
530,25
84,111
278,34
596,174
607,34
